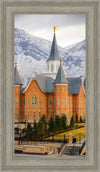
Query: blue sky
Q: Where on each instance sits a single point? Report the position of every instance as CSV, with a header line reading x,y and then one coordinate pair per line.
x,y
71,28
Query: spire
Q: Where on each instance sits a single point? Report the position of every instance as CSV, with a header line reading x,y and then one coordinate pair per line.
x,y
60,78
17,80
54,55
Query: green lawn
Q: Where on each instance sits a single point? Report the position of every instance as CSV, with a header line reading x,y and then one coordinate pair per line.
x,y
80,124
75,134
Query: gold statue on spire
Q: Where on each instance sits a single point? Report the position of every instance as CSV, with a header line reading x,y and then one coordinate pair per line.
x,y
54,29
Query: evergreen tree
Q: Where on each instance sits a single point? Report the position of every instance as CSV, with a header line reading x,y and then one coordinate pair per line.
x,y
40,128
29,130
81,119
64,120
43,119
58,123
72,122
35,128
76,118
51,124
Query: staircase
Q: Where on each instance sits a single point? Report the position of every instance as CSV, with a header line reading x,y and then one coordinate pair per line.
x,y
75,149
71,150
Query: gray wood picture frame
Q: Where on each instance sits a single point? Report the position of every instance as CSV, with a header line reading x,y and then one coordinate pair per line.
x,y
8,160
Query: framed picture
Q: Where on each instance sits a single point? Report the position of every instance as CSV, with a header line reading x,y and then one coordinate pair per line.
x,y
49,93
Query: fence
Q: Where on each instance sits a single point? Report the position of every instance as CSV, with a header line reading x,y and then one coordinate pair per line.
x,y
53,139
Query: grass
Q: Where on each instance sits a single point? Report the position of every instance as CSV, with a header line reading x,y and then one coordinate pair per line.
x,y
80,124
75,134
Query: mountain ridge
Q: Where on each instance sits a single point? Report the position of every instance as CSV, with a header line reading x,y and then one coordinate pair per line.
x,y
31,54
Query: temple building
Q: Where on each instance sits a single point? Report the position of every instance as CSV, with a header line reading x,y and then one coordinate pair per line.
x,y
49,93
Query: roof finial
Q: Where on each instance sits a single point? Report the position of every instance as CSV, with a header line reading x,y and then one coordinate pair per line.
x,y
54,29
16,64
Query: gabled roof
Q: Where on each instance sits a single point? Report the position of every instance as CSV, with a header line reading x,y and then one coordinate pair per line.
x,y
60,78
54,55
46,84
74,85
17,80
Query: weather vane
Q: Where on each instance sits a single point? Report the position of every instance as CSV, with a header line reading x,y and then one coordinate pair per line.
x,y
54,29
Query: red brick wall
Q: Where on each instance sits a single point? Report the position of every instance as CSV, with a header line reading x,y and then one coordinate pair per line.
x,y
17,90
73,104
59,107
79,106
34,89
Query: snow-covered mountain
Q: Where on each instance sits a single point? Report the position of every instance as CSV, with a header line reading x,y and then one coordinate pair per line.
x,y
32,52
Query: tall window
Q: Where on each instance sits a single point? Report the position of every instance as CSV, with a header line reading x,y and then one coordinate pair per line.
x,y
58,101
33,114
58,112
63,89
28,113
51,101
16,101
28,101
52,68
39,100
16,113
58,89
34,100
39,114
24,101
63,101
17,90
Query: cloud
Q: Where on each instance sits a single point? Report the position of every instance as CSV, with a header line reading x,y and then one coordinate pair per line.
x,y
69,25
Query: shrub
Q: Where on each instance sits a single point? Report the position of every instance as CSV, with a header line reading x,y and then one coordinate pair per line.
x,y
72,122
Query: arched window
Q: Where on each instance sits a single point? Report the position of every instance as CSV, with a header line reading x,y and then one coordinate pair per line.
x,y
16,101
16,113
33,113
17,90
63,101
39,114
28,113
52,68
34,100
39,100
51,101
63,89
58,89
